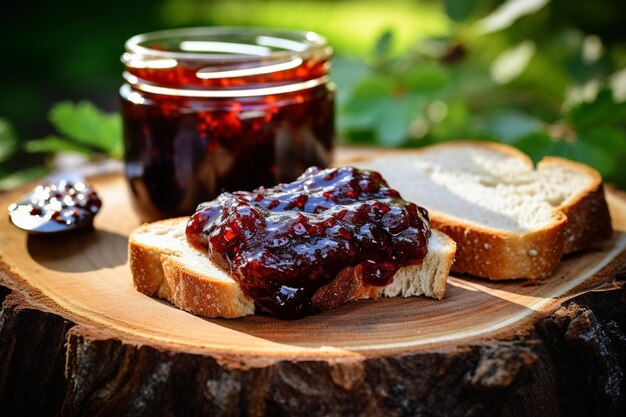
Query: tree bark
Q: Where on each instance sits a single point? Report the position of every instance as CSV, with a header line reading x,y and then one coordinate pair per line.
x,y
569,363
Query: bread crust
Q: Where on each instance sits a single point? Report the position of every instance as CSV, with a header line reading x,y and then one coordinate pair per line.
x,y
204,297
579,222
588,217
163,273
501,255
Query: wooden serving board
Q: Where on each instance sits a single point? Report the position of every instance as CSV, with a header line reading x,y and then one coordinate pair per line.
x,y
105,346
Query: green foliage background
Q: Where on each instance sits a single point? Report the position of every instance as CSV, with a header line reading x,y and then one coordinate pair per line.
x,y
550,79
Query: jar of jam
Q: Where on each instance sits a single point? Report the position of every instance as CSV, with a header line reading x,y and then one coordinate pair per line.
x,y
208,110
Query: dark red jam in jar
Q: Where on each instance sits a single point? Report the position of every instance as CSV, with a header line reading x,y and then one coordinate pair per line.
x,y
208,110
284,243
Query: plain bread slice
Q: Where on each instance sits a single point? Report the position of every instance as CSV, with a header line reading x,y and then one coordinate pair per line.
x,y
509,219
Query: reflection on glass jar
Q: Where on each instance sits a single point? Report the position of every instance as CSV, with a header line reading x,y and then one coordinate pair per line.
x,y
208,110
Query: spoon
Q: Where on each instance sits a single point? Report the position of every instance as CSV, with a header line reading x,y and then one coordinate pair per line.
x,y
62,203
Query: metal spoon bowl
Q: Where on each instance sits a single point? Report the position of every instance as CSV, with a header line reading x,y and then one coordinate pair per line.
x,y
61,204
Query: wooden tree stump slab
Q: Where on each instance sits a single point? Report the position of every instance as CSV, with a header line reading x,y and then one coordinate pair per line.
x,y
77,339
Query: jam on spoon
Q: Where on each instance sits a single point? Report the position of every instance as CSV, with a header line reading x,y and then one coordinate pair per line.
x,y
56,206
282,244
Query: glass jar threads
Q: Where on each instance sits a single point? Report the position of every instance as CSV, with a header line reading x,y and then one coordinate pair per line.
x,y
207,110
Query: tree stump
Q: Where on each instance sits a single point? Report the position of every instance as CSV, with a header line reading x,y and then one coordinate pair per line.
x,y
77,339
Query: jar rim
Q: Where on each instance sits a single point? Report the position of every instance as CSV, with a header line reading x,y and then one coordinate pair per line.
x,y
268,43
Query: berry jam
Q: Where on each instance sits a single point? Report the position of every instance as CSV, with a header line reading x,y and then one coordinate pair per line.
x,y
198,124
185,76
62,202
282,244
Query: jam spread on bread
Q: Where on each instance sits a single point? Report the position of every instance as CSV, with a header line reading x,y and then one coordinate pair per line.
x,y
283,243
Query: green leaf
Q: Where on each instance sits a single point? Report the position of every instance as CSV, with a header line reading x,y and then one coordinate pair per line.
x,y
508,13
17,178
8,140
608,138
602,148
459,10
382,49
347,72
540,144
595,156
373,88
86,124
455,124
619,176
54,144
512,125
602,111
426,78
363,107
397,113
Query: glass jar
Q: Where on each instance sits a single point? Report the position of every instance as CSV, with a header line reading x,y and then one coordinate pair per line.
x,y
207,110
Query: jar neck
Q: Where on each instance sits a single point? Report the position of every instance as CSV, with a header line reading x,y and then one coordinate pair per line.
x,y
226,62
259,91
